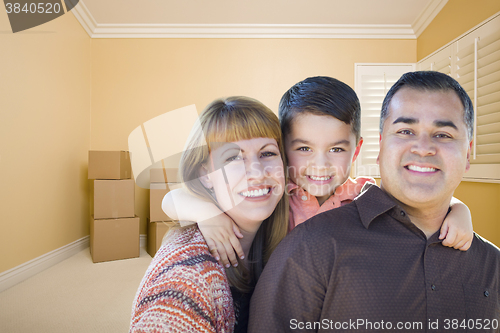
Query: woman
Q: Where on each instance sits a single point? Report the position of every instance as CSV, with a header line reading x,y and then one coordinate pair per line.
x,y
235,159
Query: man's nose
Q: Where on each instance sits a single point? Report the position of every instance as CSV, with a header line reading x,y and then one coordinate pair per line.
x,y
423,145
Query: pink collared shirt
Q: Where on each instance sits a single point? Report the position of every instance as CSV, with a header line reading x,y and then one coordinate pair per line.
x,y
303,205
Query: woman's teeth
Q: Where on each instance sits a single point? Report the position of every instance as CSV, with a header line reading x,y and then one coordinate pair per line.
x,y
256,193
320,178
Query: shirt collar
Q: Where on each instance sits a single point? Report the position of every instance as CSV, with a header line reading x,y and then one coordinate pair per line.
x,y
290,186
372,202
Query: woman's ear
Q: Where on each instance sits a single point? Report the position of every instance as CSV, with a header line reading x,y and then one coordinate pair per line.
x,y
204,178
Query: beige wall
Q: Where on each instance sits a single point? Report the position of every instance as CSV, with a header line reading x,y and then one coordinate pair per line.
x,y
44,138
62,94
456,18
134,80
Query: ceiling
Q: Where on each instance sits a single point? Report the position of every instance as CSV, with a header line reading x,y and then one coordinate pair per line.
x,y
121,18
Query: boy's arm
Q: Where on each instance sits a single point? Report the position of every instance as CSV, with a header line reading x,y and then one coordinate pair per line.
x,y
457,229
218,229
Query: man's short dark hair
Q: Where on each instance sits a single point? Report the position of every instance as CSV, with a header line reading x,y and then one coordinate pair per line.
x,y
321,95
431,81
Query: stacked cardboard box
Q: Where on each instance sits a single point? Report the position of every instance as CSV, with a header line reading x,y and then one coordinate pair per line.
x,y
162,181
114,227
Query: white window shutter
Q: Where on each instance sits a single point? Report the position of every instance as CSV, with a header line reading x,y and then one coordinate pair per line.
x,y
439,61
488,99
477,69
372,81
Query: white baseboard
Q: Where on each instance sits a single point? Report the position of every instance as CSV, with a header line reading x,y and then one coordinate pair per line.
x,y
24,271
143,240
28,269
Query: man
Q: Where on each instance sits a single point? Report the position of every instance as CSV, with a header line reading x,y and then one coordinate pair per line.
x,y
377,264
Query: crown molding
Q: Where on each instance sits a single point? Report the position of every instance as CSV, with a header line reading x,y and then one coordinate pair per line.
x,y
358,31
85,18
252,31
427,15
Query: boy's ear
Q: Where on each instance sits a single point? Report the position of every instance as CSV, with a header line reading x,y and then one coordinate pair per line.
x,y
204,178
358,148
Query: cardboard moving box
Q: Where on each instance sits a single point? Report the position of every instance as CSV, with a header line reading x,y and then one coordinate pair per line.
x,y
156,193
113,239
164,175
114,198
109,165
156,231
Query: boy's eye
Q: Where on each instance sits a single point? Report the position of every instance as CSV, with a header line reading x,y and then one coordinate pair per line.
x,y
337,150
304,149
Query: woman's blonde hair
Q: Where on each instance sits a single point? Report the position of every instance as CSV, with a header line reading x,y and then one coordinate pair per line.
x,y
228,120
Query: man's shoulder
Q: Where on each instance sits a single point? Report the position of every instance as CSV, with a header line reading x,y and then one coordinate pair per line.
x,y
485,247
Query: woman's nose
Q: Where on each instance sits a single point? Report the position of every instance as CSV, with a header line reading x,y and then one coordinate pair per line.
x,y
255,169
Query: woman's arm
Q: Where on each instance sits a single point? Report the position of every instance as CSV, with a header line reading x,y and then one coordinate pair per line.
x,y
218,229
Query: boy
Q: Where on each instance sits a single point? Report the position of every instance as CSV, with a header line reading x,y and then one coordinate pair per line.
x,y
320,120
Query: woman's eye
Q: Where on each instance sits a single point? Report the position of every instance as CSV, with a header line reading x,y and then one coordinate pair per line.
x,y
233,158
268,154
304,149
337,150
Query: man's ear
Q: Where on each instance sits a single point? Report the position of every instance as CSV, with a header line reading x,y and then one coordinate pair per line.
x,y
379,139
204,177
467,166
358,148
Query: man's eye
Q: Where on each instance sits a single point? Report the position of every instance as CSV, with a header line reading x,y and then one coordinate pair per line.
x,y
443,136
337,150
304,149
405,132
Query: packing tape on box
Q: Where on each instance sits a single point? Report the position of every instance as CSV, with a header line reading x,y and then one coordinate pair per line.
x,y
162,138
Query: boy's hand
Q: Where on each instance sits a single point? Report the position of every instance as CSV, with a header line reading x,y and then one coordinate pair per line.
x,y
220,233
456,230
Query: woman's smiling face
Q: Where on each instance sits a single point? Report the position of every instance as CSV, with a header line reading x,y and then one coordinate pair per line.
x,y
247,178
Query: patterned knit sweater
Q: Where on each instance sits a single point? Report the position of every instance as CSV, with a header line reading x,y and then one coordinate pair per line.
x,y
184,290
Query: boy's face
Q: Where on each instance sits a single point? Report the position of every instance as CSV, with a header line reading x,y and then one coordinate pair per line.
x,y
320,151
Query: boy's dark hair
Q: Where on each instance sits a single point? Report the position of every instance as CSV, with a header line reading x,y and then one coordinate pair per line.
x,y
321,95
431,81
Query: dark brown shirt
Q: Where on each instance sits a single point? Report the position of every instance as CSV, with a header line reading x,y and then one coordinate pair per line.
x,y
365,267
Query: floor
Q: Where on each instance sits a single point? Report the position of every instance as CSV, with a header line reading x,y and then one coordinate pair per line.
x,y
75,295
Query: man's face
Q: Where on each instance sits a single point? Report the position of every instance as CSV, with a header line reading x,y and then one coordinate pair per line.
x,y
424,148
